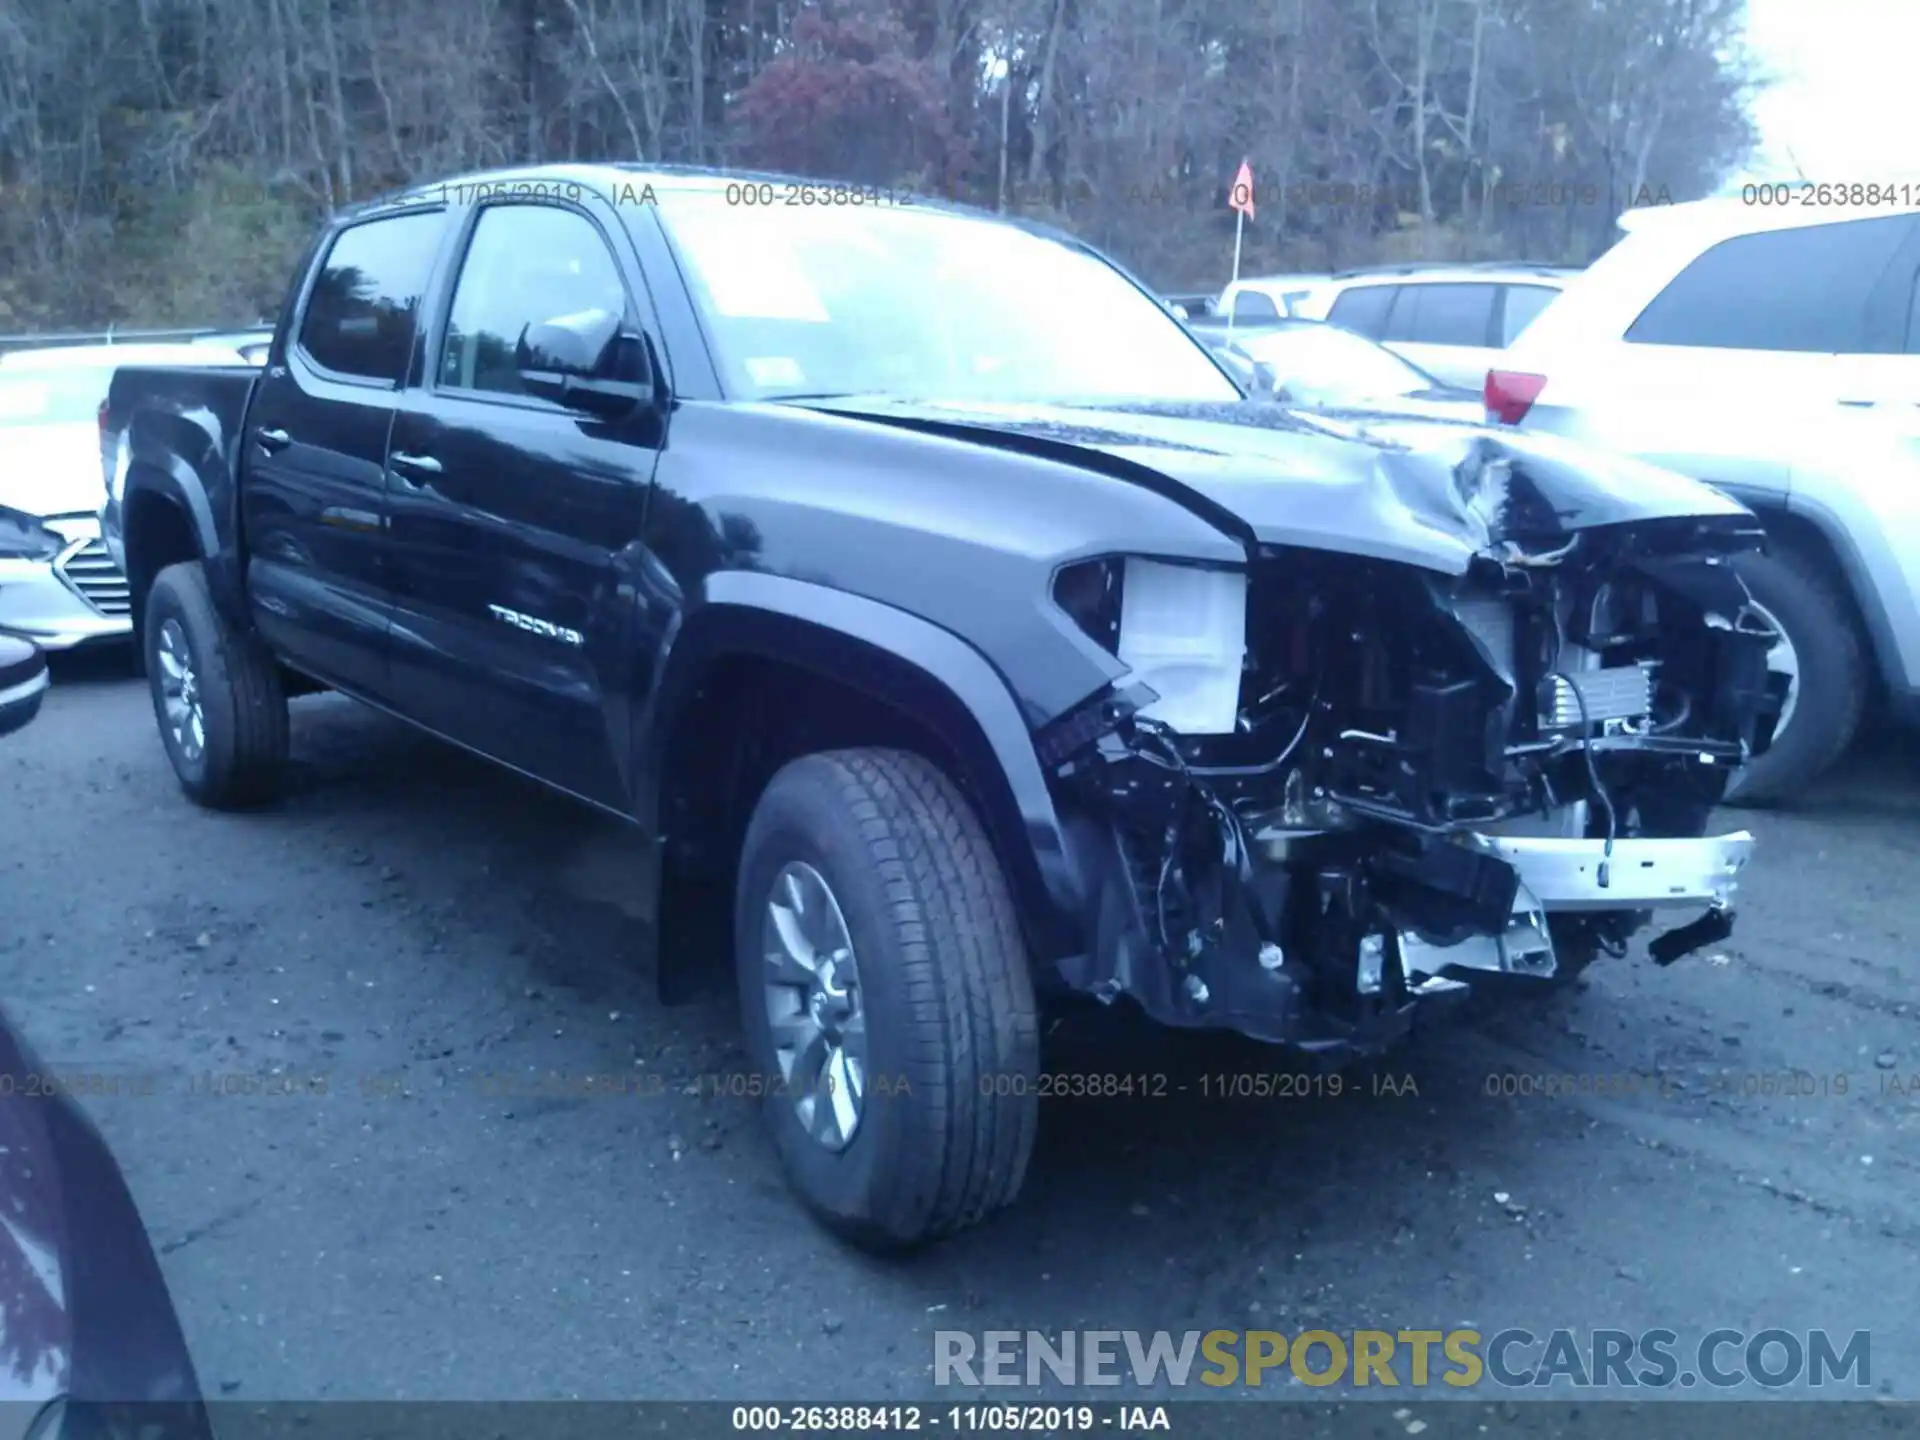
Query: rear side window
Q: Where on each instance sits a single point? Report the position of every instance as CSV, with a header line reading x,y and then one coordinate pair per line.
x,y
361,312
1443,315
1806,290
1252,305
1363,308
1523,302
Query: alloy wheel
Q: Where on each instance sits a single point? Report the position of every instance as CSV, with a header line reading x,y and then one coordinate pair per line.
x,y
180,692
814,1005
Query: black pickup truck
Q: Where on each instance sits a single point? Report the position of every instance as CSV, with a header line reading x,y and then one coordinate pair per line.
x,y
959,662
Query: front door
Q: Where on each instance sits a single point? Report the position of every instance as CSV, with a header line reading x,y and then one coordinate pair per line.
x,y
315,451
514,518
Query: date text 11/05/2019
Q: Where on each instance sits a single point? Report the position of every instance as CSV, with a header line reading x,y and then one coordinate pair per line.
x,y
959,1419
763,194
1750,1086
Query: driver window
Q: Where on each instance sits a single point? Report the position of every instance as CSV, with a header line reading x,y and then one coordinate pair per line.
x,y
525,264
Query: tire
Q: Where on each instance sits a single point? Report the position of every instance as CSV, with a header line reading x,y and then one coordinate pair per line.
x,y
950,1104
1832,693
242,753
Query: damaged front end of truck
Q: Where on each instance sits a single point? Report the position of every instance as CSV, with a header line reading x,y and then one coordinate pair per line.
x,y
1335,788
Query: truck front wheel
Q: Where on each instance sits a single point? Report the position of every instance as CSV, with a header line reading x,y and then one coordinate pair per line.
x,y
888,1005
216,695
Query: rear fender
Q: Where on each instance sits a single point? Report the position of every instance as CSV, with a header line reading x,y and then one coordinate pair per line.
x,y
159,472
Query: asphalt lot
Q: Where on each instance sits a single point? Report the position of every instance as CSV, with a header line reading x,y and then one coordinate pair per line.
x,y
425,938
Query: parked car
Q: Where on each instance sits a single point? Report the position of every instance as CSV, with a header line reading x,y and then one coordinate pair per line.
x,y
1190,307
1260,298
1802,407
1316,366
23,683
251,345
58,584
1670,309
955,661
1452,321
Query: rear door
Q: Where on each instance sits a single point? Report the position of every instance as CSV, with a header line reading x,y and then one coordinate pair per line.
x,y
1885,377
1812,315
315,450
1519,306
511,515
1448,328
1362,309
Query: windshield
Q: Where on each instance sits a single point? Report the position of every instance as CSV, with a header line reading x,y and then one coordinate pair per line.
x,y
1324,360
917,303
53,396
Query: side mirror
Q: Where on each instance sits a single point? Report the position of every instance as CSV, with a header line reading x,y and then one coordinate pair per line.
x,y
588,361
23,683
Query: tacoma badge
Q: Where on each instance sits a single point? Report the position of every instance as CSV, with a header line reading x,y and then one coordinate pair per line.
x,y
535,626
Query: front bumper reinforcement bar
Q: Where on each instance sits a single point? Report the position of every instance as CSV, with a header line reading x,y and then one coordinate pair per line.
x,y
1582,875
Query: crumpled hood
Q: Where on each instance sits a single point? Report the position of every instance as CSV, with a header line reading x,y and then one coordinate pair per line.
x,y
1426,492
51,469
1454,406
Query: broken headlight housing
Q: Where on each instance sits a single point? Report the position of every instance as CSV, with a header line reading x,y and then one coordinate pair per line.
x,y
25,537
1181,628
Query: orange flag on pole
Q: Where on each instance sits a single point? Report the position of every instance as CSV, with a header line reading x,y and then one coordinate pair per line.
x,y
1241,196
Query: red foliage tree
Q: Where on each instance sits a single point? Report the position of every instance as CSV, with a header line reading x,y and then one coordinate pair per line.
x,y
846,99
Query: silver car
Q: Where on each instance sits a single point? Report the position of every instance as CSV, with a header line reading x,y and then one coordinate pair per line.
x,y
1453,321
58,585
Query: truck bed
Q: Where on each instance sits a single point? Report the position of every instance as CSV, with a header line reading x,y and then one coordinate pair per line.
x,y
175,423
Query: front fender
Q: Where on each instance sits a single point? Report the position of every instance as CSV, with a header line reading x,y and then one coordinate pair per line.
x,y
904,661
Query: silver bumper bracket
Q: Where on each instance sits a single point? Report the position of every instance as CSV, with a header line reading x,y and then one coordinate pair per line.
x,y
1566,874
1640,874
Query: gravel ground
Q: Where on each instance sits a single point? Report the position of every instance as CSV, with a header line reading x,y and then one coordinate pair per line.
x,y
338,1014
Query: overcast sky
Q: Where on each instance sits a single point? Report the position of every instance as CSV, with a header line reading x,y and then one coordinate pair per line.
x,y
1848,91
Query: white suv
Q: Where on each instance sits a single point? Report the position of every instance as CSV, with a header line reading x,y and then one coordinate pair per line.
x,y
1772,350
1804,303
1453,321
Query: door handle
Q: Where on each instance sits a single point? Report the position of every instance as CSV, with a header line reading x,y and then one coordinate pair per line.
x,y
420,464
272,441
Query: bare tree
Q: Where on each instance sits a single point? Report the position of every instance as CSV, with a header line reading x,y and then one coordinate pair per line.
x,y
163,160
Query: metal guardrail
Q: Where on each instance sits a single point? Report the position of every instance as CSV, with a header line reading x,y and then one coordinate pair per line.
x,y
116,336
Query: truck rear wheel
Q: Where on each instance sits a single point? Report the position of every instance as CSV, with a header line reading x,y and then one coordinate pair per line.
x,y
888,1005
216,695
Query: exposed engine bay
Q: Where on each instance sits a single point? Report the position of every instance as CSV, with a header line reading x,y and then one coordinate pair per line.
x,y
1334,788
